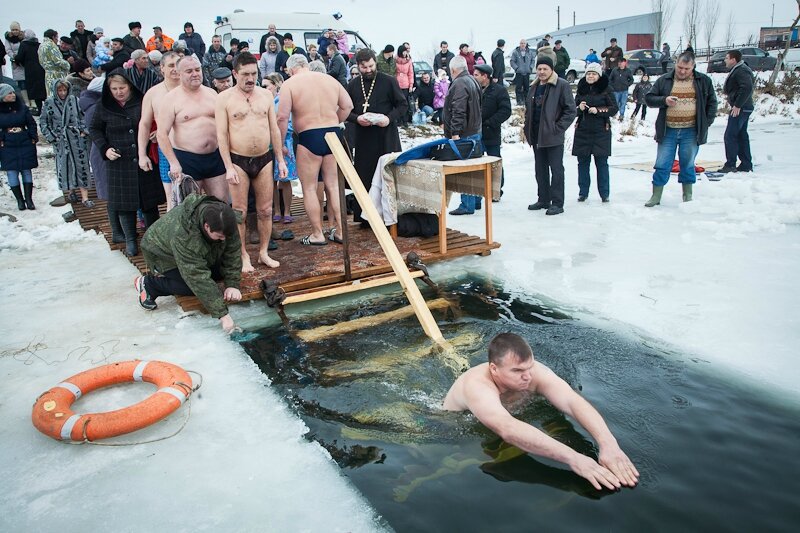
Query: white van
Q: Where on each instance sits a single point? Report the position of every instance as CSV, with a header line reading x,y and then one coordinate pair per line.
x,y
306,28
792,60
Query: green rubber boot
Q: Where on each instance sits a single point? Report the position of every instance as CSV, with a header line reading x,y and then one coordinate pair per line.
x,y
656,198
687,192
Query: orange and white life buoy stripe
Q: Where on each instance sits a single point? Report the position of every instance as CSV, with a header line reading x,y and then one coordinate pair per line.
x,y
53,417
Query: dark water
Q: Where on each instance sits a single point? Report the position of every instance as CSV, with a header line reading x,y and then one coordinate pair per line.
x,y
712,455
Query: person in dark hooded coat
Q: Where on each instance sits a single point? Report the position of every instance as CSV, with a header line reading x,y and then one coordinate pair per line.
x,y
595,106
88,103
114,131
28,58
18,137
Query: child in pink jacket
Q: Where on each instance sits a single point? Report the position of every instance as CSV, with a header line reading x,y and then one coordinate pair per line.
x,y
440,89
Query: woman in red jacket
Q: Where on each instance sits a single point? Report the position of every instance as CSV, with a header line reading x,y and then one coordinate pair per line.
x,y
405,78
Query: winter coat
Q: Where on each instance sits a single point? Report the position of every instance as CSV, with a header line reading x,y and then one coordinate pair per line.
x,y
387,66
404,72
344,45
612,55
620,79
739,87
115,126
498,64
592,58
54,65
593,132
641,89
177,240
424,93
28,58
338,68
562,60
168,41
442,61
706,103
268,60
194,42
462,107
262,47
283,57
80,41
322,45
118,61
665,53
523,63
12,49
131,42
470,59
440,89
495,110
558,112
63,126
88,103
212,60
17,149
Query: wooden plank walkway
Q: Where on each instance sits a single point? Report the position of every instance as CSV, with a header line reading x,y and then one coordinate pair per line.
x,y
307,267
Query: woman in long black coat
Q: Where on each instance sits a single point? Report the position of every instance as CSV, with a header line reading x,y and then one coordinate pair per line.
x,y
18,137
28,58
114,128
596,105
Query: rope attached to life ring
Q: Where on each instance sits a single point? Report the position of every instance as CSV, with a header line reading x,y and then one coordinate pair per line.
x,y
185,386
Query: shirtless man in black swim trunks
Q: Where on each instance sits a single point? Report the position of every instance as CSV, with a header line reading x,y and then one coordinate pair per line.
x,y
246,124
188,112
317,104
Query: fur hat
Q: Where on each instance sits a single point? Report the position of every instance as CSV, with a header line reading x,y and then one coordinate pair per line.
x,y
544,60
594,67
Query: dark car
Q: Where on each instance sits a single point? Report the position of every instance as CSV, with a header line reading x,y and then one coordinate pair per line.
x,y
755,58
420,68
646,61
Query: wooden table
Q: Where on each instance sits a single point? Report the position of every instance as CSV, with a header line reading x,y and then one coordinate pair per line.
x,y
481,165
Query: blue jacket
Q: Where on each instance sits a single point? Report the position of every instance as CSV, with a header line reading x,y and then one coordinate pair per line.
x,y
17,150
195,43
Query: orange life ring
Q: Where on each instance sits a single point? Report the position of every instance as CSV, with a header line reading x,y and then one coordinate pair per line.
x,y
53,417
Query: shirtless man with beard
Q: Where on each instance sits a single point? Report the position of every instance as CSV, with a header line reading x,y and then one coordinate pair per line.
x,y
188,113
317,104
246,124
150,104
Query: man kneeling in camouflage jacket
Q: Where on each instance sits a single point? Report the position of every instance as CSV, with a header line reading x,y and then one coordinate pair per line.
x,y
188,250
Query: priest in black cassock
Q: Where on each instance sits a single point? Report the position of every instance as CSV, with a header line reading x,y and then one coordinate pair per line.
x,y
378,104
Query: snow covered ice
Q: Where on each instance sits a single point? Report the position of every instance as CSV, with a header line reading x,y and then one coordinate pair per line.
x,y
711,280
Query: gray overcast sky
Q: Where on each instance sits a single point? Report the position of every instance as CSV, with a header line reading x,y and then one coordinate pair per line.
x,y
421,22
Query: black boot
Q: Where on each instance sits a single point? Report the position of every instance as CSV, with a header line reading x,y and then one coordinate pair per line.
x,y
29,195
117,235
150,216
128,221
20,200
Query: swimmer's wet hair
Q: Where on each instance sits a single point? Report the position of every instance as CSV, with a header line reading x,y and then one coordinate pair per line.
x,y
244,58
220,217
509,343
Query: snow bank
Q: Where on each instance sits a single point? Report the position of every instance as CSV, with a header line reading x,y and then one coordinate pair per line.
x,y
240,464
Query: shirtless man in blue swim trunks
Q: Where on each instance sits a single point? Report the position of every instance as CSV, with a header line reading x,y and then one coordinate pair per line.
x,y
188,112
246,124
317,104
150,104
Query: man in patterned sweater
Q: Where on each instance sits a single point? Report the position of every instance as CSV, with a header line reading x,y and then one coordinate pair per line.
x,y
687,105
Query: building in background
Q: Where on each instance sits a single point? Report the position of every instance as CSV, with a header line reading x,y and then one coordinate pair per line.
x,y
774,37
632,33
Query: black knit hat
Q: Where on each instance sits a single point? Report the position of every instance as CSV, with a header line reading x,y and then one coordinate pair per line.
x,y
544,60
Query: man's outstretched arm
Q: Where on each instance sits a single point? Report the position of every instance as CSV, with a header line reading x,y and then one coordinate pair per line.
x,y
561,395
484,403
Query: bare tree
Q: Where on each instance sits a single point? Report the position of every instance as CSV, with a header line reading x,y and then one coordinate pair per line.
x,y
751,38
730,29
779,65
690,17
661,23
711,16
